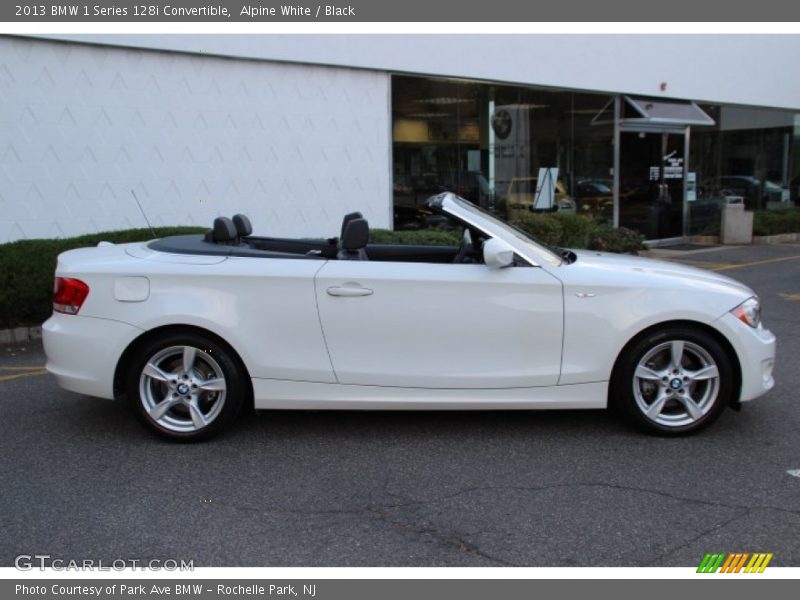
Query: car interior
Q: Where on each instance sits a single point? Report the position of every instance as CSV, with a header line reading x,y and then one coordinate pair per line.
x,y
234,237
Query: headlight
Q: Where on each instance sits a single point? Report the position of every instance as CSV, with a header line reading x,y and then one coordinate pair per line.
x,y
749,312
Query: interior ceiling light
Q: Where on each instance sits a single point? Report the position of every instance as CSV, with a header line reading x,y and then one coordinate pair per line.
x,y
428,115
523,106
443,100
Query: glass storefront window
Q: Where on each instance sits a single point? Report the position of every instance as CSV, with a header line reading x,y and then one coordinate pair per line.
x,y
750,156
516,149
506,148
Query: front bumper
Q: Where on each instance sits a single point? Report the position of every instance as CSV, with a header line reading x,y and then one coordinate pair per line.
x,y
83,352
756,351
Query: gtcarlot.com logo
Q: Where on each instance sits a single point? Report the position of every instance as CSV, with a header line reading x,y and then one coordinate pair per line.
x,y
734,562
27,562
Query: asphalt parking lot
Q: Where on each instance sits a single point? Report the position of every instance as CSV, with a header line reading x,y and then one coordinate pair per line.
x,y
82,479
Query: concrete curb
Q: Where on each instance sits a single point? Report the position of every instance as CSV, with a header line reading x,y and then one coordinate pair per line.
x,y
20,335
668,253
710,240
778,238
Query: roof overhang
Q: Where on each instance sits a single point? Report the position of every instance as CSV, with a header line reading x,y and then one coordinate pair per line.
x,y
666,112
651,113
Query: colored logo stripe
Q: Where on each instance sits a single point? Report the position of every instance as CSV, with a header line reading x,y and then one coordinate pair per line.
x,y
734,562
758,563
710,563
726,566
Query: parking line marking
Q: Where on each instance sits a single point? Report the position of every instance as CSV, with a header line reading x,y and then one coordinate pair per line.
x,y
22,368
703,264
756,262
790,296
20,375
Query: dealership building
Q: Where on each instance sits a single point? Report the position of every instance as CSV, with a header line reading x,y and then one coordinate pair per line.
x,y
652,132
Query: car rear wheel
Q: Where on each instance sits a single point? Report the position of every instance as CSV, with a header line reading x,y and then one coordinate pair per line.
x,y
186,386
673,381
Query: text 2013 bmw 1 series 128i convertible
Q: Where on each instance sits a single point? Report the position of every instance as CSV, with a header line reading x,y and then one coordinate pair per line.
x,y
192,328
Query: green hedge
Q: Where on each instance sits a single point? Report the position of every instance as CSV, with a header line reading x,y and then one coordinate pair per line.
x,y
579,231
773,222
27,267
621,240
562,230
425,237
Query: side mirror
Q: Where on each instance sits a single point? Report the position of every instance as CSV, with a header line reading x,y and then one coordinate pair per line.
x,y
497,254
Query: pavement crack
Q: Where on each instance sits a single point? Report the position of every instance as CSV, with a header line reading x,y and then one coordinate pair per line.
x,y
447,538
654,561
601,484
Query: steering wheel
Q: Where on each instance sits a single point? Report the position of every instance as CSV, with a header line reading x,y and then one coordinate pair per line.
x,y
465,247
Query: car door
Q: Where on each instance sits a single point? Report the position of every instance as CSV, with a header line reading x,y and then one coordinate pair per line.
x,y
441,325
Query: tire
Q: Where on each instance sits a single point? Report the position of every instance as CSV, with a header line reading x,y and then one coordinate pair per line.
x,y
665,396
185,386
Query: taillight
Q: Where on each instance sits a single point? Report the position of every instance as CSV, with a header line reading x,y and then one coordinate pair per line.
x,y
68,295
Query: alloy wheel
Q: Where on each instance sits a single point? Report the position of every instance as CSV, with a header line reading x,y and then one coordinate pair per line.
x,y
182,388
676,383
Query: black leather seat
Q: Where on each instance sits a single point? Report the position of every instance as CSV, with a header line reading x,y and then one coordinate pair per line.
x,y
243,225
243,228
224,232
352,245
347,218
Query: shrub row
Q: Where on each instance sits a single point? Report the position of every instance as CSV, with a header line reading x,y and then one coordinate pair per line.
x,y
579,231
424,237
773,222
562,230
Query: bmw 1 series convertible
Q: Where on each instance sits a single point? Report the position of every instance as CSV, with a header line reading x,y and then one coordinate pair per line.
x,y
190,329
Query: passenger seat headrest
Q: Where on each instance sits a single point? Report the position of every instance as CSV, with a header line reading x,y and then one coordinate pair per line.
x,y
224,230
347,218
242,224
356,234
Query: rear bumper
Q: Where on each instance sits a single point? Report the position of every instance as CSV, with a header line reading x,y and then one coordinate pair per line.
x,y
83,352
756,351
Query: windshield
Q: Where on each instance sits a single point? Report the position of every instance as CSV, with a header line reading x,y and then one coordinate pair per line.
x,y
489,223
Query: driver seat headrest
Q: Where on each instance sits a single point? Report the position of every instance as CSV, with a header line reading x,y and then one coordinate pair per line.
x,y
353,244
356,235
224,231
347,218
243,225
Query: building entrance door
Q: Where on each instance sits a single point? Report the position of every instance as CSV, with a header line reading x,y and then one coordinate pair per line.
x,y
652,180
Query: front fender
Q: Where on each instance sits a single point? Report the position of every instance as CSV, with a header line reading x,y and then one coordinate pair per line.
x,y
601,320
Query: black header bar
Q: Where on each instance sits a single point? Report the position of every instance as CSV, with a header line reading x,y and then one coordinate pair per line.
x,y
100,11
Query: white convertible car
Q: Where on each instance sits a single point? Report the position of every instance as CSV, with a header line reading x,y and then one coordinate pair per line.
x,y
192,328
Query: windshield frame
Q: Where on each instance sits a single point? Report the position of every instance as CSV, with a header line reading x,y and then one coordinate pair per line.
x,y
534,251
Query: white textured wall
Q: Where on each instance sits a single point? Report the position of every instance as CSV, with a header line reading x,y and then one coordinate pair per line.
x,y
739,69
295,147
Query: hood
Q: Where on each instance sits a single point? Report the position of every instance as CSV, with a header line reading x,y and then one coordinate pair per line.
x,y
645,267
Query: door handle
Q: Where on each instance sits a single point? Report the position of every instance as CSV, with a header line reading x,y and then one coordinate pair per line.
x,y
349,291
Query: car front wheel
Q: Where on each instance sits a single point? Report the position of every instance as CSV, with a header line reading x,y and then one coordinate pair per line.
x,y
185,387
673,381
